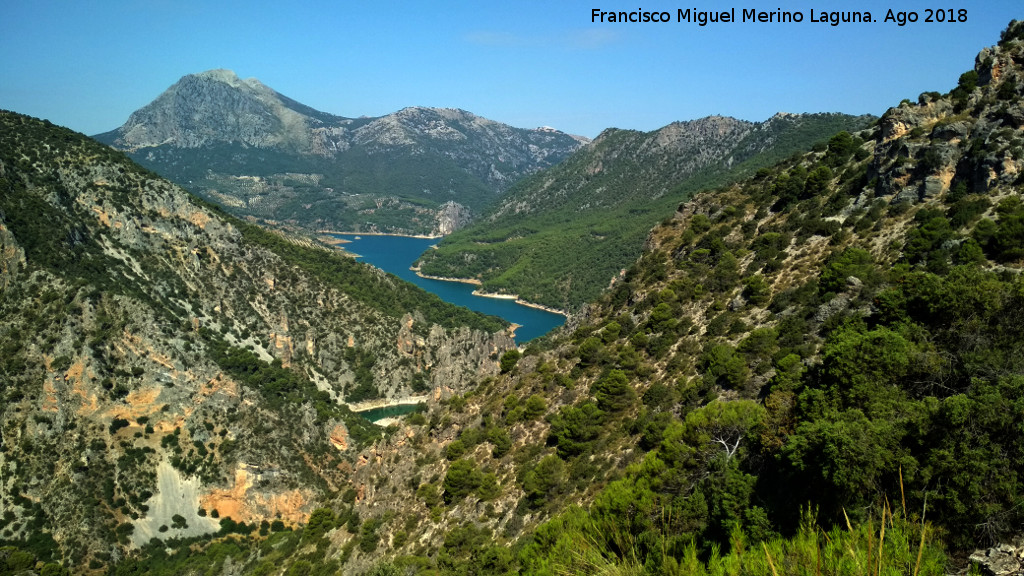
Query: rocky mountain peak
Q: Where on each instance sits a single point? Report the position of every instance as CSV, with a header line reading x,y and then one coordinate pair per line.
x,y
214,107
702,132
229,77
220,75
242,144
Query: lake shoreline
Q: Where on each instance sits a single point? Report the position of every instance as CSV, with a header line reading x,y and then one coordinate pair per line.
x,y
399,254
444,279
358,407
420,236
495,295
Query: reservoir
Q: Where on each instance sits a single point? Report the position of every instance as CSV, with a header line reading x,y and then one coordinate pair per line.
x,y
392,411
395,254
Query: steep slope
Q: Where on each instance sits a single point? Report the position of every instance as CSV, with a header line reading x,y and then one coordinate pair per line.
x,y
832,343
258,153
158,357
815,370
561,236
837,337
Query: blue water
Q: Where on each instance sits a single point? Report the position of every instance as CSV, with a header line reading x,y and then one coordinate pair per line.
x,y
393,411
395,254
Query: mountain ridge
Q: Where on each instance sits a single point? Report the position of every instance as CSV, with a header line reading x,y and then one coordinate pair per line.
x,y
218,135
582,222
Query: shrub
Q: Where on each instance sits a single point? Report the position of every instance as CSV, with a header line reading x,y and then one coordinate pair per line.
x,y
575,428
509,360
544,479
613,392
724,368
461,479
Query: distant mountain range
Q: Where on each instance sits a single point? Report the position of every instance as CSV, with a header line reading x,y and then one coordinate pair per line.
x,y
559,237
261,154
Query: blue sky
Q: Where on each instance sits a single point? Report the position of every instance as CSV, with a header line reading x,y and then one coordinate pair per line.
x,y
88,65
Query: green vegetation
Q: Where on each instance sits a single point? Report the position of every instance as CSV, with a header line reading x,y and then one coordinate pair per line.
x,y
283,388
869,383
577,544
565,248
817,370
384,292
509,360
360,185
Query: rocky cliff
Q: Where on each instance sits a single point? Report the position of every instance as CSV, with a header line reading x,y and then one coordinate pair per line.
x,y
160,358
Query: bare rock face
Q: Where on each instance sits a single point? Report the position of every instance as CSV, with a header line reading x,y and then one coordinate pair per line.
x,y
217,106
175,496
12,257
451,217
923,147
1002,560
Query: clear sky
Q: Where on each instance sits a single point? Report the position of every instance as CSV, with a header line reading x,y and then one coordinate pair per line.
x,y
88,65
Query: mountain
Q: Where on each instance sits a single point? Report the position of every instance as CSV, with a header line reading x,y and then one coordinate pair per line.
x,y
816,369
260,154
559,237
159,357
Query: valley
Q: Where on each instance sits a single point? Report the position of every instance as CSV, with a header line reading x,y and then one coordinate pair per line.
x,y
792,347
396,254
561,237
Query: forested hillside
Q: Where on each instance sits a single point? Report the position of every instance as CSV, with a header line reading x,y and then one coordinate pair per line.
x,y
816,370
834,342
559,237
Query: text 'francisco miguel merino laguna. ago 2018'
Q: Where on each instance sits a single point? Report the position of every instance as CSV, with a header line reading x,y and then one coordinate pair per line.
x,y
705,17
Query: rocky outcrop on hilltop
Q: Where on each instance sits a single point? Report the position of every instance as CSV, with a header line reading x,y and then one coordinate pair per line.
x,y
970,138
